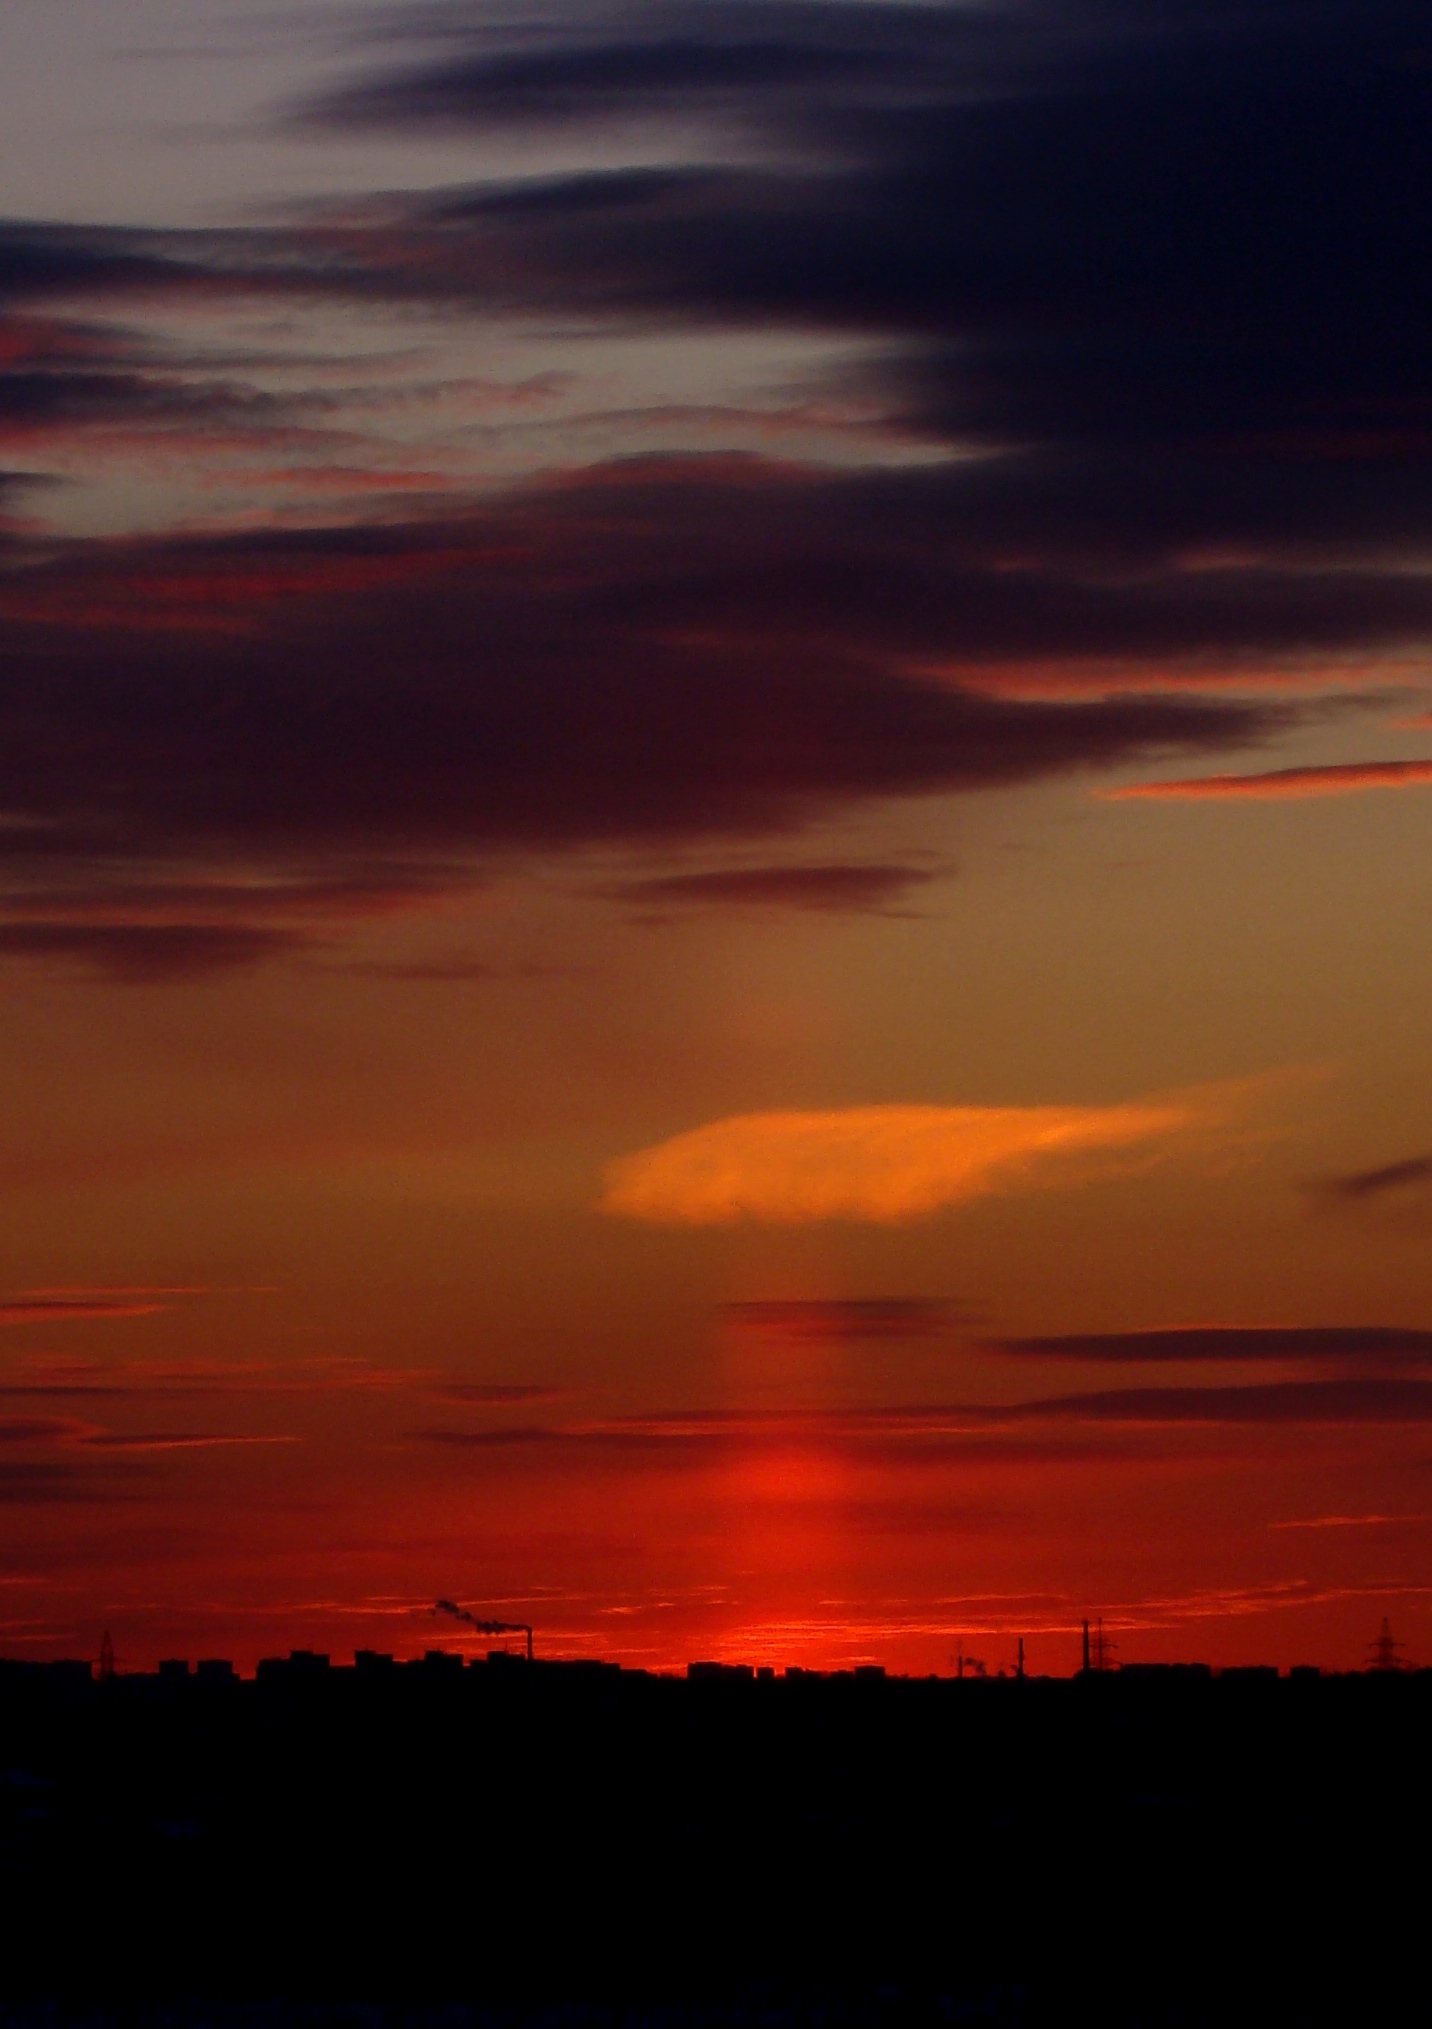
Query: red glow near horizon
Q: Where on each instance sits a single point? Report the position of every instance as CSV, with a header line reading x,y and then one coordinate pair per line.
x,y
813,1539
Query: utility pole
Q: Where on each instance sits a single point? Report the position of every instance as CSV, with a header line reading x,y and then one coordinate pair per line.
x,y
1086,1648
1019,1668
106,1659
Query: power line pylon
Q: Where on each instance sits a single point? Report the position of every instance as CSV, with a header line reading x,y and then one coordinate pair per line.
x,y
1384,1649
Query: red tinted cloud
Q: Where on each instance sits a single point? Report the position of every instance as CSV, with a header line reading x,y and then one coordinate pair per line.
x,y
63,1309
1279,784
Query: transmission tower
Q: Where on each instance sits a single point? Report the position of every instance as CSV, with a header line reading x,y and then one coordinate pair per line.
x,y
1104,1646
1384,1649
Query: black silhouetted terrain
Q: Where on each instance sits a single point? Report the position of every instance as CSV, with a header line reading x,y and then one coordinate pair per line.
x,y
1136,1847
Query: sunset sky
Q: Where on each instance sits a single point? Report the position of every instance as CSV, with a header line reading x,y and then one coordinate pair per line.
x,y
716,827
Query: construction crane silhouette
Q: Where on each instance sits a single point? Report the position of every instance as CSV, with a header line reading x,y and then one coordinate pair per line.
x,y
456,1612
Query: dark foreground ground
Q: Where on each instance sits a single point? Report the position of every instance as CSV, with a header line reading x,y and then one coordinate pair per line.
x,y
512,1844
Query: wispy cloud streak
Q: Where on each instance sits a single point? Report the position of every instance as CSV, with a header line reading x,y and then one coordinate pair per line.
x,y
1390,1180
875,1163
1344,778
1229,1342
66,1309
849,1319
835,890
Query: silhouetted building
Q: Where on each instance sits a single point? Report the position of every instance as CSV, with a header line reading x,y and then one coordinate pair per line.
x,y
300,1666
799,1838
69,1674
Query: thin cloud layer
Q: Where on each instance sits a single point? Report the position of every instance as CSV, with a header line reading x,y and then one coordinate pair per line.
x,y
835,890
1395,1195
46,1309
874,1163
147,954
1358,1401
1279,784
1228,1342
62,380
1389,1180
843,1320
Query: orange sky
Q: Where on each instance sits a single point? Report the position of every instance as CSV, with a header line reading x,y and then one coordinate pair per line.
x,y
677,775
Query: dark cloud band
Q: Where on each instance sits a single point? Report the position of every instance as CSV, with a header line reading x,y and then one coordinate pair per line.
x,y
1230,1342
1104,223
1159,266
653,653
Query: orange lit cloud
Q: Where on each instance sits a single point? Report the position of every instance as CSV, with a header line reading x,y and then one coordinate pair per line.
x,y
1343,779
877,1163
